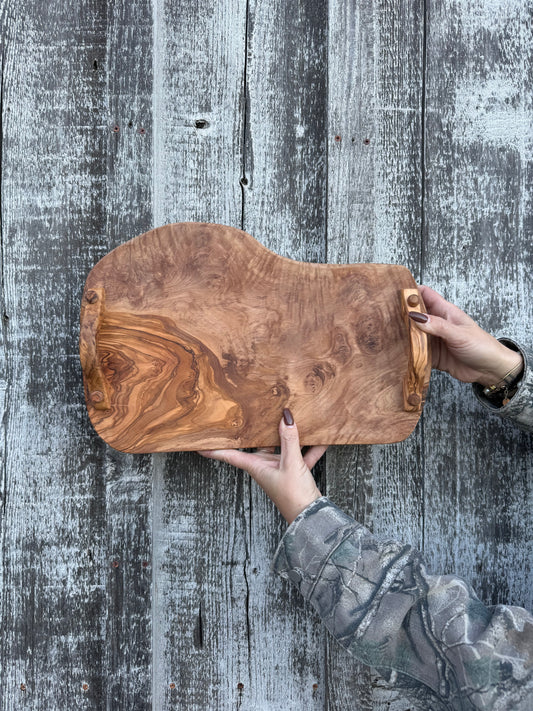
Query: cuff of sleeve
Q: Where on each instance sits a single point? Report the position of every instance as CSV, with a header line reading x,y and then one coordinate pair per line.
x,y
310,541
520,406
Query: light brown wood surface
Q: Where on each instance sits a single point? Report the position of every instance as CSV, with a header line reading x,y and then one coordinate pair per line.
x,y
196,336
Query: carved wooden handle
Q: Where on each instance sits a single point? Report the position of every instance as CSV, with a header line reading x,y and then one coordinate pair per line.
x,y
416,381
97,389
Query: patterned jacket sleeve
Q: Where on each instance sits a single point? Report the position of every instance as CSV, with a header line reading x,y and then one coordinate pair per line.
x,y
429,634
520,406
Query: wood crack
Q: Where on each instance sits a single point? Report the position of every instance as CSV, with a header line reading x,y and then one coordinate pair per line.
x,y
198,637
244,180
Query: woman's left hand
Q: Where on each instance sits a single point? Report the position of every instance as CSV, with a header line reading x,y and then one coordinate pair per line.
x,y
286,478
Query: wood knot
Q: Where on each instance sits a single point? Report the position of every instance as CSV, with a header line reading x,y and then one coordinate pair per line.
x,y
91,296
414,400
97,396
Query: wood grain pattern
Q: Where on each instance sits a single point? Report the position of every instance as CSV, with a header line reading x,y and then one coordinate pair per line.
x,y
374,176
205,336
54,549
416,381
479,502
126,104
201,622
284,207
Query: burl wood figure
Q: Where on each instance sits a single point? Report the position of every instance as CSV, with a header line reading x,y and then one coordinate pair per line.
x,y
195,336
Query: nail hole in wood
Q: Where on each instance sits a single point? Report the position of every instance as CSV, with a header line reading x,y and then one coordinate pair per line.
x,y
115,564
95,65
23,687
366,141
130,124
142,131
244,181
338,139
85,686
172,685
116,129
240,687
201,123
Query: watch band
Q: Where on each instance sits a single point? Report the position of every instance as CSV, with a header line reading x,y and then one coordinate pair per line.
x,y
504,390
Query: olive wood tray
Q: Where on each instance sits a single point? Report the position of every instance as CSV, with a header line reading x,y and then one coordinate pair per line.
x,y
195,336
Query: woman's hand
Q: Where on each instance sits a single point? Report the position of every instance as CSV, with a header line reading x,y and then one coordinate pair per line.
x,y
285,477
460,347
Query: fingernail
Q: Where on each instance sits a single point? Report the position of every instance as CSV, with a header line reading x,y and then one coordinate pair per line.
x,y
287,417
418,317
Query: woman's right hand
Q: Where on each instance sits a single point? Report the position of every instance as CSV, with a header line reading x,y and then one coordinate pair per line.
x,y
460,347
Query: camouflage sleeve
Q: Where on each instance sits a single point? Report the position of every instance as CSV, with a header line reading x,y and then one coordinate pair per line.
x,y
520,406
428,634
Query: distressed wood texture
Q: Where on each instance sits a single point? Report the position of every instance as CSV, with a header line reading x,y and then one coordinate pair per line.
x,y
478,199
338,132
200,652
375,70
194,336
128,130
54,547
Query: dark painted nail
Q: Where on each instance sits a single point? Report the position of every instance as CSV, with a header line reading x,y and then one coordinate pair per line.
x,y
287,417
418,317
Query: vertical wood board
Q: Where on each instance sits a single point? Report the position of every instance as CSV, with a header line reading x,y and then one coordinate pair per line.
x,y
200,638
53,517
284,208
128,480
479,249
375,83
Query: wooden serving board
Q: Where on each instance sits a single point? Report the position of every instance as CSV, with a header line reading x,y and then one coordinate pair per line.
x,y
195,336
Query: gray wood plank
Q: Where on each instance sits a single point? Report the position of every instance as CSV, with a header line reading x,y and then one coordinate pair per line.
x,y
127,67
53,527
375,69
284,208
200,510
478,252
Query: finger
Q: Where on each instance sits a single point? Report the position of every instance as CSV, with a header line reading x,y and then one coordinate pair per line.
x,y
265,450
434,325
242,460
313,454
434,302
437,305
291,453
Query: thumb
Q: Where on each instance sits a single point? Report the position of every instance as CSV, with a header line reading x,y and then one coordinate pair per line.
x,y
291,452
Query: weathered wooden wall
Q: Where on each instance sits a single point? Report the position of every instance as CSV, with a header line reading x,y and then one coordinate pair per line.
x,y
343,131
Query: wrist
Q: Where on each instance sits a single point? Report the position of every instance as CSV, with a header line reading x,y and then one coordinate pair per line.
x,y
289,513
507,363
